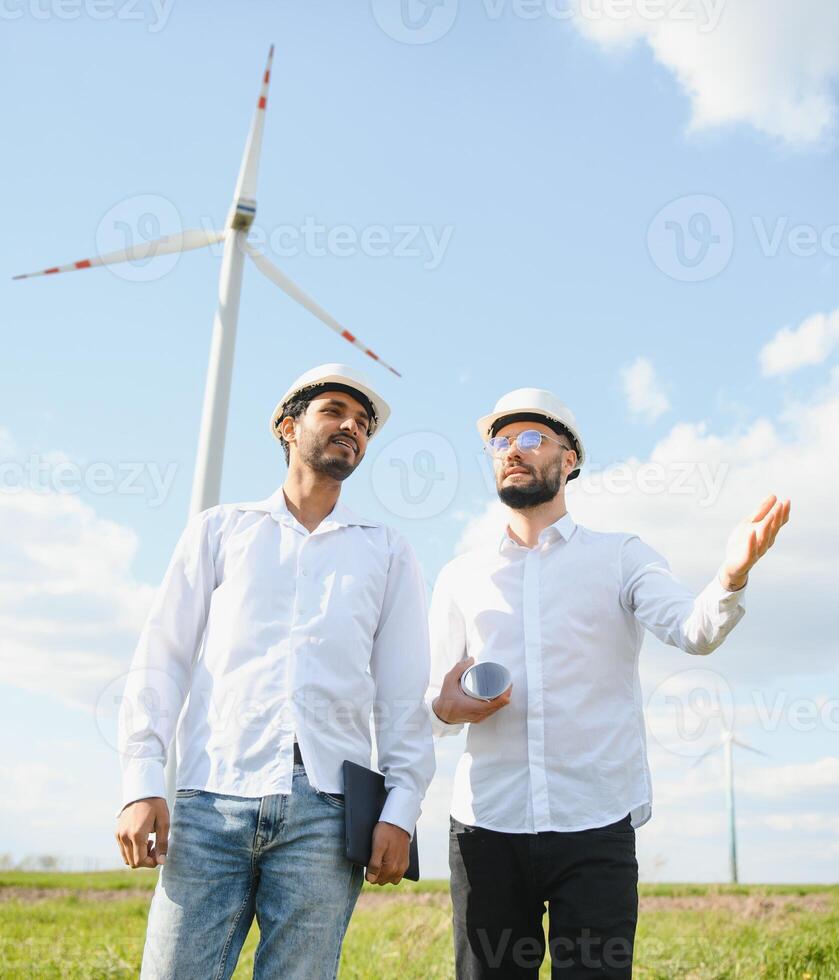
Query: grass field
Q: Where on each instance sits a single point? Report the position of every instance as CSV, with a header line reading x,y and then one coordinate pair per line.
x,y
92,926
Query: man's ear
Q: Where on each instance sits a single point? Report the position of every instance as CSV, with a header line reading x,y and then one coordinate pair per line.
x,y
571,467
287,429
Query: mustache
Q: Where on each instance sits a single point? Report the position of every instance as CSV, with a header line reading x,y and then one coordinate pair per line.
x,y
516,466
349,439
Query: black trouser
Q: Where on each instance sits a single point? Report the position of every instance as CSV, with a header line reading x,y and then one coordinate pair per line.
x,y
500,883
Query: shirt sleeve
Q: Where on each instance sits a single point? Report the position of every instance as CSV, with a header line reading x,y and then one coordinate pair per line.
x,y
160,671
697,624
447,630
399,665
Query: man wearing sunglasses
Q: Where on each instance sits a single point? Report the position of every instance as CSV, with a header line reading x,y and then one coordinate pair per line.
x,y
554,779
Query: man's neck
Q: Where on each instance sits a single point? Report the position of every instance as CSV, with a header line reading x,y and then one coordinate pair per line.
x,y
525,526
310,496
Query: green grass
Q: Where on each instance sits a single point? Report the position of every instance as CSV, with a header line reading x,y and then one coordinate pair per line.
x,y
687,932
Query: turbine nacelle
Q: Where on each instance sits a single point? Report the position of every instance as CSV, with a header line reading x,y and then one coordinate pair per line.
x,y
242,214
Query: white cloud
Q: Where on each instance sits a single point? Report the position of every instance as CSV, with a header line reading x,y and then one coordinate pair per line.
x,y
645,396
809,343
70,609
767,63
790,780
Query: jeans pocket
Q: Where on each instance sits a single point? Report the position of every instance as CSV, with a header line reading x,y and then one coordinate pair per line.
x,y
335,799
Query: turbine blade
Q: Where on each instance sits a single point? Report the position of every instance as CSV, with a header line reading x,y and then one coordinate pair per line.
x,y
182,242
270,271
707,752
249,169
749,748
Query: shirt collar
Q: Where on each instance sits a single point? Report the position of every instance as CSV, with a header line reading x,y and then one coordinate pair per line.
x,y
563,528
276,506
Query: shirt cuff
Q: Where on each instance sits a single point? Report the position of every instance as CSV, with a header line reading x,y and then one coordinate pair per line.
x,y
141,779
402,808
440,728
717,591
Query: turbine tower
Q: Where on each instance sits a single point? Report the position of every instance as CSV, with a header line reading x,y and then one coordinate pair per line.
x,y
206,483
726,743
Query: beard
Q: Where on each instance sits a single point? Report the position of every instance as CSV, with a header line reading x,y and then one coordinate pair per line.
x,y
324,457
541,489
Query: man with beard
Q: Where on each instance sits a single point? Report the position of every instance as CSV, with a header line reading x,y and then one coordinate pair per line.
x,y
286,620
554,779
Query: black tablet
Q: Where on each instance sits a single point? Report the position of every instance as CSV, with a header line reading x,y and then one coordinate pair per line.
x,y
364,800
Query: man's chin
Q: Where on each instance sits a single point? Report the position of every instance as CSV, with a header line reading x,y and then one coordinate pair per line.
x,y
520,495
337,465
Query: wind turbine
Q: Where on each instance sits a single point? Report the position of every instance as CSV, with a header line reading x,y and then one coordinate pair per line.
x,y
206,481
208,464
726,742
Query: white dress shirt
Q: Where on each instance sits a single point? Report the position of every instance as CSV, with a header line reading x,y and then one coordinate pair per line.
x,y
270,632
567,619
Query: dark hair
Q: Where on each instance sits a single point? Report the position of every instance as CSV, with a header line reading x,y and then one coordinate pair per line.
x,y
294,409
298,404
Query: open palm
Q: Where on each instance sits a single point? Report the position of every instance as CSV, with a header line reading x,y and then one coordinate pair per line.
x,y
752,538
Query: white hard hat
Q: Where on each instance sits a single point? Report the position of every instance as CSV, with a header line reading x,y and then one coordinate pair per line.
x,y
328,376
533,403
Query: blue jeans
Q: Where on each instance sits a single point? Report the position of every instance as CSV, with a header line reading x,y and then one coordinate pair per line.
x,y
230,857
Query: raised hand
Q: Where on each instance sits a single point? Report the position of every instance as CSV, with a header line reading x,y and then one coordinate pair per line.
x,y
751,539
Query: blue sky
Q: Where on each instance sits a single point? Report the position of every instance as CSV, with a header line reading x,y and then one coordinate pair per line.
x,y
568,171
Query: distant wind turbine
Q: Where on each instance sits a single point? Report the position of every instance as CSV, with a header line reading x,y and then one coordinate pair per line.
x,y
206,482
726,742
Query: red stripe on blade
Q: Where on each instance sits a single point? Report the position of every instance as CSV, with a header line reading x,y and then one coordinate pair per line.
x,y
49,272
348,336
262,101
84,264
